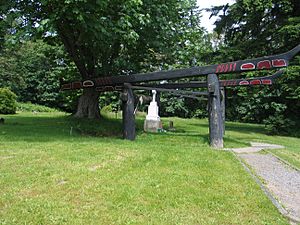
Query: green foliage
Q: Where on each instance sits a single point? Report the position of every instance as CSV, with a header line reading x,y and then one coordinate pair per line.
x,y
182,107
33,70
7,101
251,28
110,101
117,37
260,27
110,37
29,107
277,124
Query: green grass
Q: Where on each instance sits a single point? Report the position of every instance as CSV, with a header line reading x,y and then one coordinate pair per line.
x,y
29,107
254,132
58,170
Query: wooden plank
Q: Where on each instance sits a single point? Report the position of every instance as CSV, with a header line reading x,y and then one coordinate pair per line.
x,y
262,63
214,112
195,93
128,113
265,80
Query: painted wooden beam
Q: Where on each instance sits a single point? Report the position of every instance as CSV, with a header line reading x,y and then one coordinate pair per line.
x,y
262,63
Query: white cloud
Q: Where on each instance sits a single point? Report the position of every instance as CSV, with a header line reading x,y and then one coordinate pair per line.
x,y
205,21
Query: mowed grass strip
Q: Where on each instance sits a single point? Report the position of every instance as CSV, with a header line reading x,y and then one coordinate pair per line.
x,y
57,170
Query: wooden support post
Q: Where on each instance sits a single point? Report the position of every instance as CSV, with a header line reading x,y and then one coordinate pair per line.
x,y
128,113
223,108
157,99
214,112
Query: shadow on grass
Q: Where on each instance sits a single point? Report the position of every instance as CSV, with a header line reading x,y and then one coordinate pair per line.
x,y
43,129
39,128
240,127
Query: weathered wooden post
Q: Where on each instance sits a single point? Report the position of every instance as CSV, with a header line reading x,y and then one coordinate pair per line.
x,y
128,113
158,98
214,112
223,108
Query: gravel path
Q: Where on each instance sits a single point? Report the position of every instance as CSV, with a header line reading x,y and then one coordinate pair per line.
x,y
255,147
280,179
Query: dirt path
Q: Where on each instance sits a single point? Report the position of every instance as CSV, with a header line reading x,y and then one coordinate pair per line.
x,y
282,181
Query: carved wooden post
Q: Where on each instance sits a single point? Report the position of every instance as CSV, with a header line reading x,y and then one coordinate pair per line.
x,y
158,98
223,108
128,113
214,112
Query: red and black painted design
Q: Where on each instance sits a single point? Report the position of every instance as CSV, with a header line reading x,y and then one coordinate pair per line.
x,y
109,88
226,67
263,63
266,80
88,83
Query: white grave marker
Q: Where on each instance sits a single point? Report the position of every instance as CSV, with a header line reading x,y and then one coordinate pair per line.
x,y
152,122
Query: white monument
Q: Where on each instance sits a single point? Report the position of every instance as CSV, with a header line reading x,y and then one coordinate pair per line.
x,y
152,122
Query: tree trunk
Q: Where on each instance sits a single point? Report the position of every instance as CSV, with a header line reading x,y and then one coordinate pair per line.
x,y
88,105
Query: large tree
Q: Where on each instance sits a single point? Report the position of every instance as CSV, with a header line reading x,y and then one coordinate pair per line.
x,y
113,37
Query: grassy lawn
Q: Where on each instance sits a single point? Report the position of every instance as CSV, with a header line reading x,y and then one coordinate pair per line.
x,y
254,132
57,170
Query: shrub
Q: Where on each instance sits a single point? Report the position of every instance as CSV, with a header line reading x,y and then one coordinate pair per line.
x,y
279,125
8,103
29,107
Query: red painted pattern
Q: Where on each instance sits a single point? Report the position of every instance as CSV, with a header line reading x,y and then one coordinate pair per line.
x,y
247,66
76,85
104,81
266,64
100,81
227,67
255,82
244,82
279,63
109,88
266,82
88,83
229,83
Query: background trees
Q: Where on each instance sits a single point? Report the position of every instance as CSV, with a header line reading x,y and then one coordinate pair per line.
x,y
42,42
106,38
251,28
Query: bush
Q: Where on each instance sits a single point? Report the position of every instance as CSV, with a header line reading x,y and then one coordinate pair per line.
x,y
28,107
279,125
8,103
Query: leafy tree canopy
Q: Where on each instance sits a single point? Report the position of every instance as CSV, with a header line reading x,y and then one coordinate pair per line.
x,y
114,37
252,28
259,27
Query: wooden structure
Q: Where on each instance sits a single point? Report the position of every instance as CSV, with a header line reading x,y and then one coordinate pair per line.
x,y
215,87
